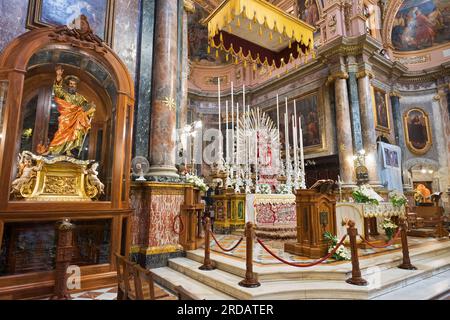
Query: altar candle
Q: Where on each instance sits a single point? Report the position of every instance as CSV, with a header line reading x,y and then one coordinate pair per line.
x,y
226,135
237,133
232,123
302,155
220,127
294,142
286,132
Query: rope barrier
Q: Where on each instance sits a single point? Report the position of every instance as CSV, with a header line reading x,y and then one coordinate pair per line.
x,y
303,265
387,244
181,224
226,250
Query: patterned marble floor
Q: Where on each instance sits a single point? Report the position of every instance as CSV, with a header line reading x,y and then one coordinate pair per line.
x,y
277,246
111,294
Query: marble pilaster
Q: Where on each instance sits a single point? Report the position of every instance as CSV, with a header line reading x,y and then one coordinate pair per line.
x,y
356,117
344,132
164,91
144,90
397,117
368,128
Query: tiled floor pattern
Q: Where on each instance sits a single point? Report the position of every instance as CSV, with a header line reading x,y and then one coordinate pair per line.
x,y
111,294
277,246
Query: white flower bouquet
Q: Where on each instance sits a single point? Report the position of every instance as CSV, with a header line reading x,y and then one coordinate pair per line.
x,y
389,228
197,182
365,194
342,253
397,198
283,189
265,188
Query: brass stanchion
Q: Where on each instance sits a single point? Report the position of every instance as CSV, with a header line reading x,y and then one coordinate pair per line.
x,y
63,257
250,280
406,264
356,278
207,264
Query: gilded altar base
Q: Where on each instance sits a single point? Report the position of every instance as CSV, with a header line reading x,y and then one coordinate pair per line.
x,y
59,178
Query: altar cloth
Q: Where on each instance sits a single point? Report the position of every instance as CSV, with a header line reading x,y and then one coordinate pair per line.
x,y
270,209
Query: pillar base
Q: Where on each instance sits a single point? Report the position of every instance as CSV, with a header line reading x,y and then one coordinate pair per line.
x,y
407,266
207,267
252,283
163,171
357,281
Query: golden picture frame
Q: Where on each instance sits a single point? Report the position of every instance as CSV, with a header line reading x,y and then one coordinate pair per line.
x,y
416,125
380,106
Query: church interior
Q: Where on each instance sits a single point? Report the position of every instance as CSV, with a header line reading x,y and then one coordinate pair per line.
x,y
224,150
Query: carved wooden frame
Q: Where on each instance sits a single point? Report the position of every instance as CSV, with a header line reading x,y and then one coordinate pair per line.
x,y
428,128
34,19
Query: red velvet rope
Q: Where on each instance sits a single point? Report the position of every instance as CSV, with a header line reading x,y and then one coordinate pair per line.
x,y
387,244
181,224
303,265
226,250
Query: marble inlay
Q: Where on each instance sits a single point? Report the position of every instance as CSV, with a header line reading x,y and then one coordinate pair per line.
x,y
126,32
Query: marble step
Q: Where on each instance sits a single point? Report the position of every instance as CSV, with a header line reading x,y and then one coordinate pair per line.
x,y
427,289
170,279
380,282
339,271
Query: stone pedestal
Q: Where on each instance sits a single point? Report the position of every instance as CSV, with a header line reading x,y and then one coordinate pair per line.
x,y
155,223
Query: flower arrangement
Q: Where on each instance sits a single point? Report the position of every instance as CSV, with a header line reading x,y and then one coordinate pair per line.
x,y
27,133
365,194
389,228
397,198
342,253
197,182
265,188
283,189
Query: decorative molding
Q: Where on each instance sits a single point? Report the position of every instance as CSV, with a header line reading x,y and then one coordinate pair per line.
x,y
189,6
363,73
78,38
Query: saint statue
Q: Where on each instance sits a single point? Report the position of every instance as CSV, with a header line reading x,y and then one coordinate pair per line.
x,y
75,116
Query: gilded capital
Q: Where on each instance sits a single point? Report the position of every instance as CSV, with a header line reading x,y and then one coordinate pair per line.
x,y
395,93
363,73
189,6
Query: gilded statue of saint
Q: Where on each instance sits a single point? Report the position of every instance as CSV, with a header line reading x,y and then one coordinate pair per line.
x,y
75,116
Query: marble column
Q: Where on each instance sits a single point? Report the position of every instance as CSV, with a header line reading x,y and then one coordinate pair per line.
x,y
188,8
164,92
344,130
356,117
368,127
397,117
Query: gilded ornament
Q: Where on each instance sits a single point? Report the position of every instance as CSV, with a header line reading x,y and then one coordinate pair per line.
x,y
169,102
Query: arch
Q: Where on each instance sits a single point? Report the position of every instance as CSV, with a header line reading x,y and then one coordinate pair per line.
x,y
421,161
13,68
391,11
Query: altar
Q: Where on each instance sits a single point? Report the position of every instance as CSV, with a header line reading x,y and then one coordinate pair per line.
x,y
367,217
273,209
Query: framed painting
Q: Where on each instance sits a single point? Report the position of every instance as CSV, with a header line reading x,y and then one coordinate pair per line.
x,y
417,131
309,109
380,109
100,14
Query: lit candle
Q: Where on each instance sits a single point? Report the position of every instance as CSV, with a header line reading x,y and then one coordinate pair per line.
x,y
294,142
286,133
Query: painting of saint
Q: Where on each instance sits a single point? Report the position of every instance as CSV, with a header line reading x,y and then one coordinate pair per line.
x,y
64,12
308,11
381,109
308,110
391,158
420,24
417,131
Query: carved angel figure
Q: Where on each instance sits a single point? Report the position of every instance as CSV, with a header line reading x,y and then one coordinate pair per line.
x,y
27,171
94,186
